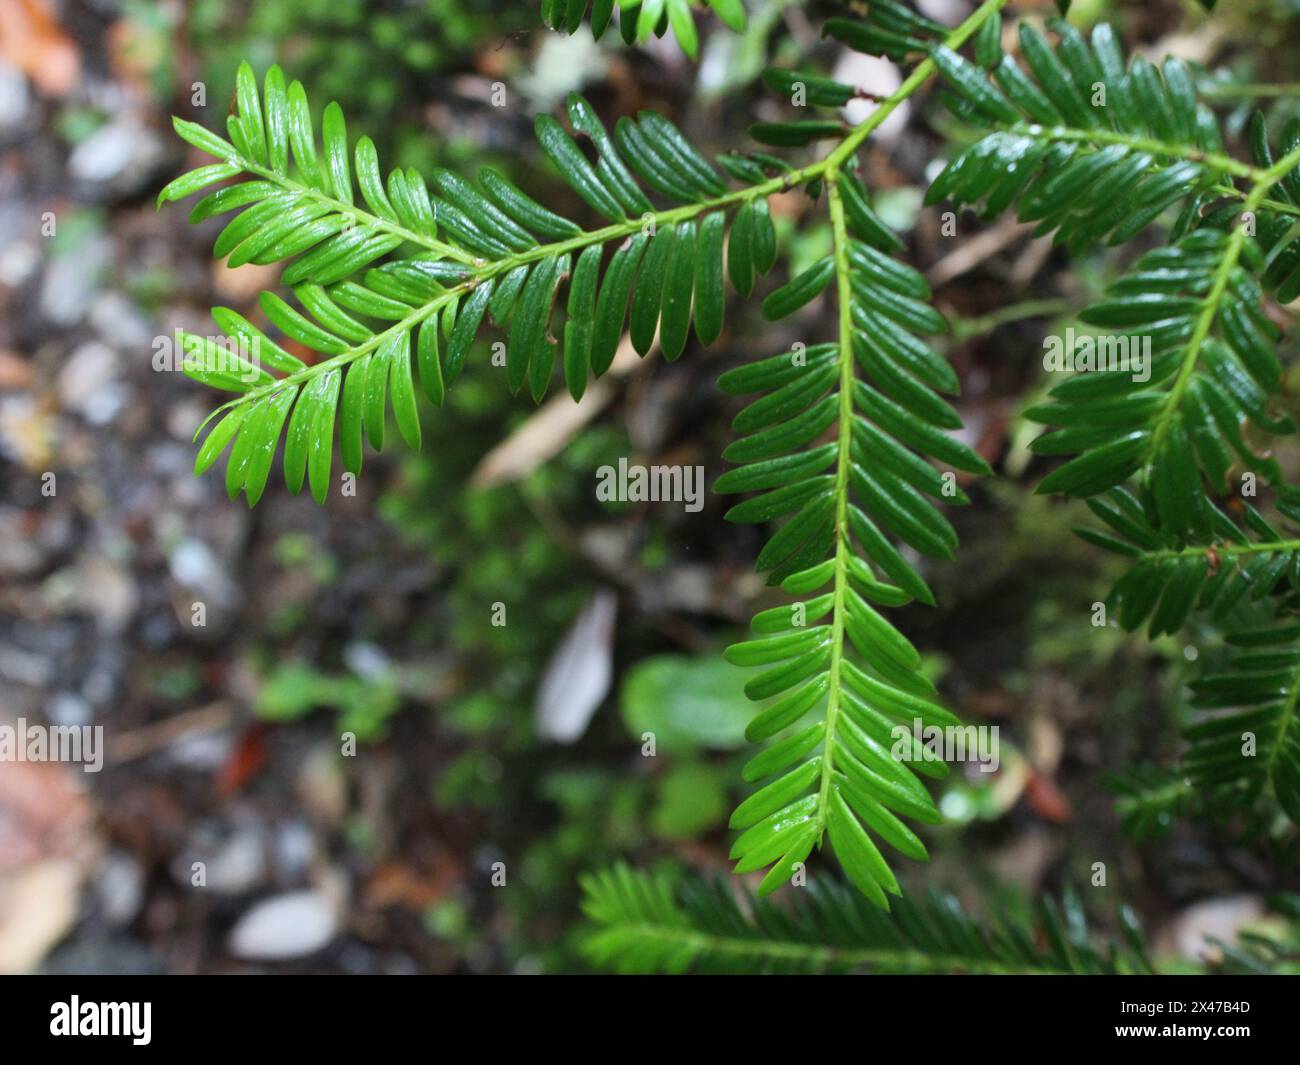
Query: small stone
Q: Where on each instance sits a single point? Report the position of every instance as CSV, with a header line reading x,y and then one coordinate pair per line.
x,y
15,99
195,567
72,280
292,925
120,323
119,886
89,386
234,861
69,709
121,153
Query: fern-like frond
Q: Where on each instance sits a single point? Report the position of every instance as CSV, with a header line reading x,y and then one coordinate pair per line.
x,y
838,443
643,925
1149,799
1167,399
839,446
1246,742
1093,150
638,20
1241,760
365,329
1088,147
1169,579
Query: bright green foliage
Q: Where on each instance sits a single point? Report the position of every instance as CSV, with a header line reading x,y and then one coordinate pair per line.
x,y
642,925
839,441
845,444
639,19
841,774
457,254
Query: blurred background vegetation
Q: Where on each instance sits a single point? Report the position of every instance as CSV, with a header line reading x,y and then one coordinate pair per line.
x,y
380,615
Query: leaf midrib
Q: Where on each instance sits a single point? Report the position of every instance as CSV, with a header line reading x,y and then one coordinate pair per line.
x,y
1283,728
370,219
912,960
843,462
1215,161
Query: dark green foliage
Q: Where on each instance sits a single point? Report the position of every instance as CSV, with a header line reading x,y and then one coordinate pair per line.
x,y
451,253
642,925
1241,756
638,21
1229,568
1149,800
884,28
1184,426
1232,758
887,28
846,446
1087,147
1274,223
1237,755
808,88
1195,309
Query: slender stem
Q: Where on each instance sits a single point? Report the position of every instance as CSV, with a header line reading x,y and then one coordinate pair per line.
x,y
1283,727
1221,550
823,955
1277,206
843,463
965,328
1214,160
